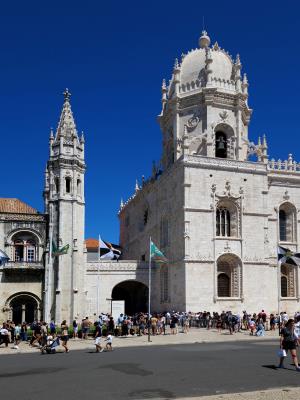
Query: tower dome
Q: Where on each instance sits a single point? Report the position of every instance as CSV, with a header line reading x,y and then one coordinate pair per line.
x,y
194,65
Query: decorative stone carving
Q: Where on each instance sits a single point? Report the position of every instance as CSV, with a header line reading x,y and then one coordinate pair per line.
x,y
193,122
223,115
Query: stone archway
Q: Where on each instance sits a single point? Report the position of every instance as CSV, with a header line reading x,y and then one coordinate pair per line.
x,y
135,295
24,307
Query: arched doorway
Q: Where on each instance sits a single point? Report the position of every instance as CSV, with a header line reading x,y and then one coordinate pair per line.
x,y
135,295
24,307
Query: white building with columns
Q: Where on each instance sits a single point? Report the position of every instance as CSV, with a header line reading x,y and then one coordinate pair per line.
x,y
216,205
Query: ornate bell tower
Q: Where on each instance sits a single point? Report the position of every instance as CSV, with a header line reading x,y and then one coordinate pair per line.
x,y
205,108
65,206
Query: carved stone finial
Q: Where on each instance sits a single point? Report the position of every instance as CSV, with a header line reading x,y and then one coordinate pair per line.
x,y
204,40
121,203
51,134
238,60
213,187
176,64
216,46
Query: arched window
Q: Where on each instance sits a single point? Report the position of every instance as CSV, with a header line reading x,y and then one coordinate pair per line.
x,y
229,277
284,286
221,145
287,223
288,281
57,185
68,185
78,187
223,222
164,232
223,285
164,284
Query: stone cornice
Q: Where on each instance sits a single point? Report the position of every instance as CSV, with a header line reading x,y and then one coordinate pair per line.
x,y
22,217
224,164
188,209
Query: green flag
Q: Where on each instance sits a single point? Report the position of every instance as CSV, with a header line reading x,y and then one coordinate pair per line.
x,y
156,254
56,251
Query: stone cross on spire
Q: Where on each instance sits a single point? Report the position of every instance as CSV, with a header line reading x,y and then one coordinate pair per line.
x,y
67,95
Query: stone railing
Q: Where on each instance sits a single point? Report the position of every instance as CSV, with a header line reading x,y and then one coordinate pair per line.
x,y
24,265
285,165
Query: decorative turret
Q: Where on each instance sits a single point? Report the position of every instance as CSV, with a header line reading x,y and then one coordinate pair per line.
x,y
238,67
176,75
163,93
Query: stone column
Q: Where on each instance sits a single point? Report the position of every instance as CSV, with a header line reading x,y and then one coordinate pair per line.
x,y
23,312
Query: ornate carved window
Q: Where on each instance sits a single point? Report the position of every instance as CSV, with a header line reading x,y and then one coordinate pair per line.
x,y
287,223
164,232
229,276
227,219
221,145
288,281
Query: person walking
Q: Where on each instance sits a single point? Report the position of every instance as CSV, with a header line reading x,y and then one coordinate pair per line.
x,y
98,334
65,335
109,340
288,342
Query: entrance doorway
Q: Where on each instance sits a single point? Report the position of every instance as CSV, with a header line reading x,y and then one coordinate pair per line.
x,y
135,295
24,308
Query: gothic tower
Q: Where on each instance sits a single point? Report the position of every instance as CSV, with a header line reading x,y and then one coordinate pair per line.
x,y
65,207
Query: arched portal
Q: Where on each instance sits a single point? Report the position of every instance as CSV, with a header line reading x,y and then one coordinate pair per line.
x,y
135,295
24,307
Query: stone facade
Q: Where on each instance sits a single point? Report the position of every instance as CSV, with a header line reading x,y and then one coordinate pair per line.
x,y
216,206
217,215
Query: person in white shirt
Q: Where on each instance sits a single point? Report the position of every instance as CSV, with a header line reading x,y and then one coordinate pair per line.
x,y
108,340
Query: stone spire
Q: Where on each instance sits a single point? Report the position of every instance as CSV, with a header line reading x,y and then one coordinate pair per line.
x,y
66,126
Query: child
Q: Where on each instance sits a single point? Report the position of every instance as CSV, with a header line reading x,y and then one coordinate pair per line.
x,y
109,342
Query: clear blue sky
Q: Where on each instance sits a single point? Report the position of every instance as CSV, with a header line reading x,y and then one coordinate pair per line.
x,y
112,56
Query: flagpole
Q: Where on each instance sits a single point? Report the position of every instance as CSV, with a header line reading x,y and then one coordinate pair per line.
x,y
149,291
98,285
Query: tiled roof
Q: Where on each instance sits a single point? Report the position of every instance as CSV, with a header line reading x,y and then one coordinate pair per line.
x,y
92,243
16,206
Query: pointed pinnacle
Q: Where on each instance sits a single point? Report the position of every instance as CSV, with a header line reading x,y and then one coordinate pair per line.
x,y
164,86
176,64
136,186
121,203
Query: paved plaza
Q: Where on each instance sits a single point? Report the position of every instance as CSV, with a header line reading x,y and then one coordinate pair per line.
x,y
201,364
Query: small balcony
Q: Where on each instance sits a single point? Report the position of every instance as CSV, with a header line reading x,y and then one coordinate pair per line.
x,y
23,266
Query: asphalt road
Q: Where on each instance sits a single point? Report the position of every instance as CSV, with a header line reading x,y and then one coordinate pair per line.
x,y
153,372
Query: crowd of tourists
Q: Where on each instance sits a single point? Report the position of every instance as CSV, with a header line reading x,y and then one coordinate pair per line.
x,y
47,337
